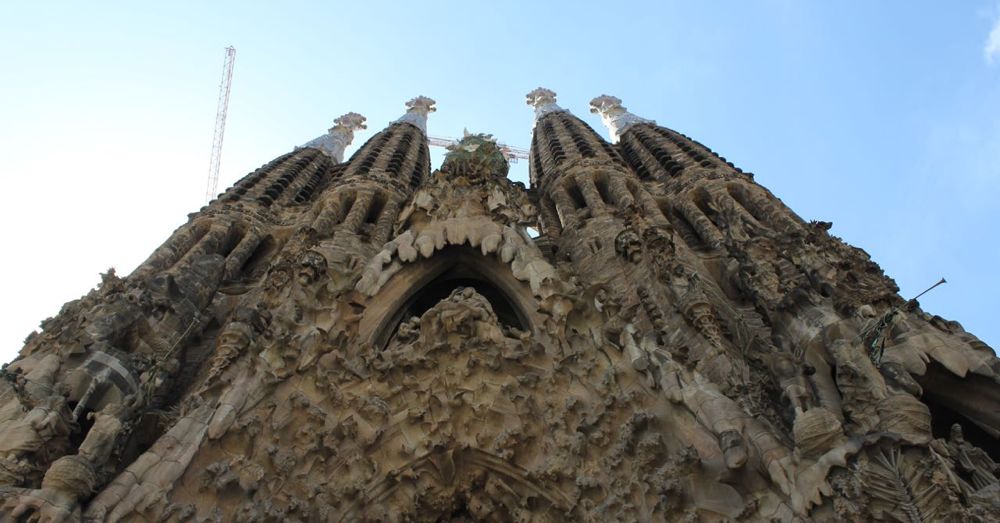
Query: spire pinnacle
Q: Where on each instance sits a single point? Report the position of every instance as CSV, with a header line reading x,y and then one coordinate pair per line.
x,y
416,113
339,136
614,116
544,102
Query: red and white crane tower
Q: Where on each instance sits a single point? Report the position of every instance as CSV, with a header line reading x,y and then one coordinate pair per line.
x,y
220,123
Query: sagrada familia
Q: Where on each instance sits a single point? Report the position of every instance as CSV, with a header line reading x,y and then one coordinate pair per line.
x,y
643,334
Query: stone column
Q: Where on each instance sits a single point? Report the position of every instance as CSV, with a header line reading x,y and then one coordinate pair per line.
x,y
356,216
619,191
550,218
385,222
241,253
591,195
329,216
214,241
565,208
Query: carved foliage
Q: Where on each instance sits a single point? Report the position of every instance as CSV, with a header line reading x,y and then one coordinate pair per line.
x,y
906,484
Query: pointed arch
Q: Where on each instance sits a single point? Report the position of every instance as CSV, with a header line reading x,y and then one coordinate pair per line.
x,y
420,285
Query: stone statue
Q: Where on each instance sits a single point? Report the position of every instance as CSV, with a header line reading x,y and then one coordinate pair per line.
x,y
791,376
628,245
971,461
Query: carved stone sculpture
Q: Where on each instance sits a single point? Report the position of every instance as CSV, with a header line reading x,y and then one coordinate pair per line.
x,y
371,340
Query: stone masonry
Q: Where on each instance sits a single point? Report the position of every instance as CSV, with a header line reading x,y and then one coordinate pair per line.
x,y
644,334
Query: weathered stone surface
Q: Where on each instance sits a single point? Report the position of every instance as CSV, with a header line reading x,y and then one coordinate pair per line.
x,y
368,340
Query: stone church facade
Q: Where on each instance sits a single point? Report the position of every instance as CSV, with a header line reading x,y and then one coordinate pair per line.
x,y
644,334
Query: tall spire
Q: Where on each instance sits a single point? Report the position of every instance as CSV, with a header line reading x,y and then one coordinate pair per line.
x,y
339,136
417,111
614,116
544,102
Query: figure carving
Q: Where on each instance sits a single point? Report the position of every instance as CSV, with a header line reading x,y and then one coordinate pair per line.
x,y
49,420
311,266
234,340
72,479
791,377
972,463
859,384
628,245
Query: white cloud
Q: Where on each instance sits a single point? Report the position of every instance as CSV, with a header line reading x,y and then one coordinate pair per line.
x,y
992,49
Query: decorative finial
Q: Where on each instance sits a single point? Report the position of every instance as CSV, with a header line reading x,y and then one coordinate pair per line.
x,y
350,122
544,102
614,116
336,140
417,111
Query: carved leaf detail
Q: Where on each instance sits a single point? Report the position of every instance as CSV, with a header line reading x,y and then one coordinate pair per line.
x,y
901,487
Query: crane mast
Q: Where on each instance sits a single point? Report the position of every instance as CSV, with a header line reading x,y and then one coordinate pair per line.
x,y
220,123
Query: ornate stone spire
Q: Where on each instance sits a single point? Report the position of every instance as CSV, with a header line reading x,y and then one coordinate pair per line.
x,y
417,111
339,136
615,117
544,102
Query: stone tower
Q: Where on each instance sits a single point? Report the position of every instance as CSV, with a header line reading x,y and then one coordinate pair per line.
x,y
369,340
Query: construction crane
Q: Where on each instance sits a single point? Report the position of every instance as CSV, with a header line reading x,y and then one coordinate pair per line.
x,y
220,123
512,154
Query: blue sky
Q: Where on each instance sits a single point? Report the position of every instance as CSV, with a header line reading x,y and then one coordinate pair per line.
x,y
882,117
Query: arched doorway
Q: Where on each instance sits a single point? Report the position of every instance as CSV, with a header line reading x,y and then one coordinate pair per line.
x,y
420,285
